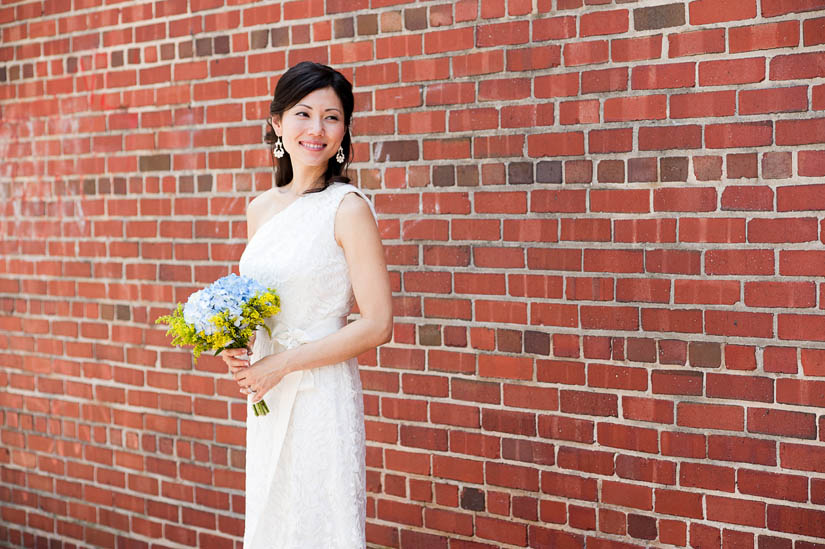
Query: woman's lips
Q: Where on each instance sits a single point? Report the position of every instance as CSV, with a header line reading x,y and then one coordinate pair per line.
x,y
312,146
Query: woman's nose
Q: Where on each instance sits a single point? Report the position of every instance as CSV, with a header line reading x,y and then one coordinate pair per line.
x,y
316,127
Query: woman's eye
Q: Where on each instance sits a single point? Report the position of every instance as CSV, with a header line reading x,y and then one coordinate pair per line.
x,y
333,117
301,113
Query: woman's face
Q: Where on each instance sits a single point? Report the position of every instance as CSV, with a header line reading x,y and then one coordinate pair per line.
x,y
312,129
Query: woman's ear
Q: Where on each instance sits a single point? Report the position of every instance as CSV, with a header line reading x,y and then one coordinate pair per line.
x,y
276,123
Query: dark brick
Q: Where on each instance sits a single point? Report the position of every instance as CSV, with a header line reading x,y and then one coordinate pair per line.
x,y
508,341
119,185
705,354
537,343
28,70
104,186
429,334
204,183
186,184
642,170
2,74
415,18
89,186
776,165
221,44
548,171
659,17
185,49
279,37
467,176
14,73
611,171
674,168
203,46
167,52
123,312
472,499
744,165
71,62
641,527
672,351
134,56
641,350
368,24
578,171
259,39
395,151
520,173
155,163
443,176
344,28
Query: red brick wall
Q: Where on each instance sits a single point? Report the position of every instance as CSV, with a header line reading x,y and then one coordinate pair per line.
x,y
604,224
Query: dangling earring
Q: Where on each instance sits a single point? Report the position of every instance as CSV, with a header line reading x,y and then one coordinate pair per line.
x,y
278,151
339,156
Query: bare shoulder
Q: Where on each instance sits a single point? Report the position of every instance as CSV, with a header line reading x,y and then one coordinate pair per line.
x,y
255,211
353,217
353,205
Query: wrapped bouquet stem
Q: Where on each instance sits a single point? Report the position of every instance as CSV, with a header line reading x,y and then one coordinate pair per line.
x,y
224,315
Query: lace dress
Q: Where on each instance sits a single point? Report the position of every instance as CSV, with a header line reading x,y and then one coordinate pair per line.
x,y
305,477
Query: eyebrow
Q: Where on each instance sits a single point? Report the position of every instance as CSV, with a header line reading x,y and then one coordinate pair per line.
x,y
310,108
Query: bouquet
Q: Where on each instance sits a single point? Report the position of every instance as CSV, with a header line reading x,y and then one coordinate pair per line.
x,y
223,316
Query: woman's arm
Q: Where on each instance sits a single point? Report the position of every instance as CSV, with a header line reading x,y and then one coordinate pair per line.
x,y
357,233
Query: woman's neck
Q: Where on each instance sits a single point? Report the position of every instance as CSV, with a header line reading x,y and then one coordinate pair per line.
x,y
305,178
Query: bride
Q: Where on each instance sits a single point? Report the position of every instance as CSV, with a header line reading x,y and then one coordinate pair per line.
x,y
313,238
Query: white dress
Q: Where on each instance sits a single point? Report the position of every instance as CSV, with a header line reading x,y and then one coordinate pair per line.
x,y
305,460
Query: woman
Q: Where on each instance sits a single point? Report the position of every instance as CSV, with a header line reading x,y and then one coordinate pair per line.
x,y
313,238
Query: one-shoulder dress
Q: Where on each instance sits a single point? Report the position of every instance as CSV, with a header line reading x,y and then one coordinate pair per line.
x,y
305,460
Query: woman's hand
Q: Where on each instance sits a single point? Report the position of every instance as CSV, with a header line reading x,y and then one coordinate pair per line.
x,y
262,376
238,359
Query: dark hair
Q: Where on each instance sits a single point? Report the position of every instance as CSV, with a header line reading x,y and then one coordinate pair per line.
x,y
295,84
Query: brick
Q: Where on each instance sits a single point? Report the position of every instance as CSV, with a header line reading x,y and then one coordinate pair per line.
x,y
736,511
703,12
734,71
696,42
675,75
658,138
650,107
711,477
629,438
703,104
636,49
604,80
659,17
797,66
724,136
586,53
604,22
673,502
772,8
772,485
762,37
781,423
741,449
627,495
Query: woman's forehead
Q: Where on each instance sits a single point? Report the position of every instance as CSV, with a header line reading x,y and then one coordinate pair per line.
x,y
322,98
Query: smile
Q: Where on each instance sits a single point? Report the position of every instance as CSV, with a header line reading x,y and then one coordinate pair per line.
x,y
312,146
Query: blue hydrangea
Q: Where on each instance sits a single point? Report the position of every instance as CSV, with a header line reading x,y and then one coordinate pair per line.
x,y
227,293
